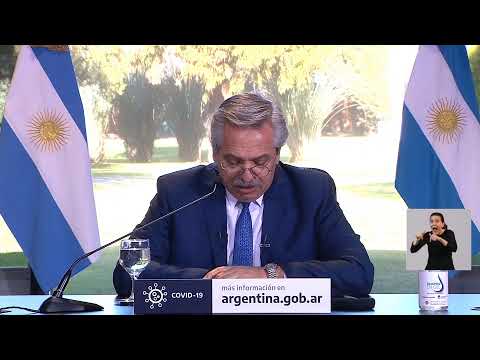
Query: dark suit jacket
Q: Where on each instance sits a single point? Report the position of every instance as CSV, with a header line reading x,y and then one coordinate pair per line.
x,y
307,231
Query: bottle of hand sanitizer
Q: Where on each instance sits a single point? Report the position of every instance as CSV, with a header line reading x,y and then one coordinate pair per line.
x,y
433,290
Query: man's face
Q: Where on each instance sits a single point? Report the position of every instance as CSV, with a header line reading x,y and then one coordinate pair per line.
x,y
245,148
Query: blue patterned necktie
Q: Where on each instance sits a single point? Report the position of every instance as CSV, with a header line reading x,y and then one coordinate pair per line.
x,y
243,246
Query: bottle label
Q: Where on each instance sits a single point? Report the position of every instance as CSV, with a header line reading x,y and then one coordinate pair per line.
x,y
433,290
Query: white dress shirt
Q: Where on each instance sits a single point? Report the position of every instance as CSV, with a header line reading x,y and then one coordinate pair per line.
x,y
234,208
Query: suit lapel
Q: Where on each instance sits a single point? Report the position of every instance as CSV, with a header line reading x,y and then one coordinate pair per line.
x,y
215,217
274,214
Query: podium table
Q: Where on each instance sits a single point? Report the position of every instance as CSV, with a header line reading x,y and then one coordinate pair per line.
x,y
386,304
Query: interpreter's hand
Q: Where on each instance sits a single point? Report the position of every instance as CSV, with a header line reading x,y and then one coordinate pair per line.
x,y
418,237
236,272
434,237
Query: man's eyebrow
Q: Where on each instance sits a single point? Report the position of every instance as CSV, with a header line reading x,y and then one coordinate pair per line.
x,y
231,156
262,157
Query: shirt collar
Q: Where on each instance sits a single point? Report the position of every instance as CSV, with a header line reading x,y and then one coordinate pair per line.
x,y
232,200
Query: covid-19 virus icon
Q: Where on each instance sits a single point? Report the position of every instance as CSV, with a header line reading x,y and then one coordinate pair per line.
x,y
155,296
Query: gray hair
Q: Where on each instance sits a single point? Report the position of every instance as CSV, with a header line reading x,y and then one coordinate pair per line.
x,y
249,109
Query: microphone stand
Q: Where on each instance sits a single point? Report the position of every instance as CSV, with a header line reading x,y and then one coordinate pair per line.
x,y
58,304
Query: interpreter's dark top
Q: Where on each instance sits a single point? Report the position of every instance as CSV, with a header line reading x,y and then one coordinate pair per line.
x,y
439,256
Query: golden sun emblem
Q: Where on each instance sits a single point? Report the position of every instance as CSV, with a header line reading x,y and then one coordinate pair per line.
x,y
445,120
48,130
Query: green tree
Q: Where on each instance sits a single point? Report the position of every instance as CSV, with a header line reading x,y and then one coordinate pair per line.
x,y
287,73
100,72
311,82
7,61
474,57
95,107
192,81
290,73
183,108
301,119
103,69
136,122
366,80
8,57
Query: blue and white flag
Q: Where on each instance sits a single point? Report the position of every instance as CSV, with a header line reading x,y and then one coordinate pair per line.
x,y
46,191
439,154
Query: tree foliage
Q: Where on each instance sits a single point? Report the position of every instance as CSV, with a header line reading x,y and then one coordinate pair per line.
x,y
311,82
474,57
184,112
8,57
188,83
7,61
136,121
202,77
106,71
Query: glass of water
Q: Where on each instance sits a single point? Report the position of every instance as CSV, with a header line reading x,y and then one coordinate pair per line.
x,y
134,258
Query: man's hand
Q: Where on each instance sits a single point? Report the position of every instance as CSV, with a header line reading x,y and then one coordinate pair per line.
x,y
236,272
241,272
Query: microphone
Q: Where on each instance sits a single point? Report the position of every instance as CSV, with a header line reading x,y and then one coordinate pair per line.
x,y
57,304
264,243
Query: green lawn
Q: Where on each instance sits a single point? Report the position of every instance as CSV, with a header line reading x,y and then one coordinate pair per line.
x,y
384,190
390,274
120,169
161,154
123,169
118,165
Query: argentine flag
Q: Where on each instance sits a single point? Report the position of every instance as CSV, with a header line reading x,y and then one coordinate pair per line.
x,y
439,153
46,191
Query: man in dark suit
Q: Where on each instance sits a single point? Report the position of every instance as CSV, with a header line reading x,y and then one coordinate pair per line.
x,y
265,219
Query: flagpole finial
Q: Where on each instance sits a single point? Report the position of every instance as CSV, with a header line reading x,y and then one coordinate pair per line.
x,y
63,48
